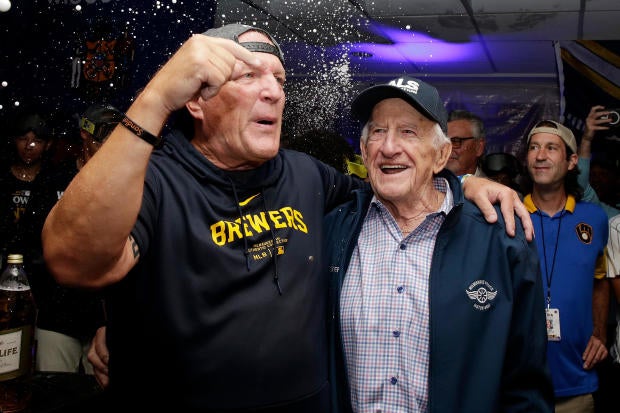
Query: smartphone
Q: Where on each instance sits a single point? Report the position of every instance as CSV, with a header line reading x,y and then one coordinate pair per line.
x,y
613,116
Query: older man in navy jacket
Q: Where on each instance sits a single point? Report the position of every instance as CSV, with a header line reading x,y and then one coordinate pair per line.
x,y
435,310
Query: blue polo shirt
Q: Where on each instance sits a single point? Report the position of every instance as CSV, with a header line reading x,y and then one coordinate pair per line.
x,y
571,247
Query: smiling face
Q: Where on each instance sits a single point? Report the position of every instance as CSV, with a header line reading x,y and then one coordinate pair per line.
x,y
547,161
402,151
242,122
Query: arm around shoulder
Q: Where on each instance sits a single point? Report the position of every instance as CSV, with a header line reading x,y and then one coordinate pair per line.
x,y
484,193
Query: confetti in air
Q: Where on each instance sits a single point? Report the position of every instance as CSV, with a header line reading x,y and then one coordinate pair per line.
x,y
5,5
80,51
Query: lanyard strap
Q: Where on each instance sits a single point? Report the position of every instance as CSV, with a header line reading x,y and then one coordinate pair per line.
x,y
549,276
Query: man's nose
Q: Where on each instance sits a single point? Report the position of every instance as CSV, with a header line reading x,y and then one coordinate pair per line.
x,y
272,89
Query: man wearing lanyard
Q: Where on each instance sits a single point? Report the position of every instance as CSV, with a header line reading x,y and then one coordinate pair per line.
x,y
571,236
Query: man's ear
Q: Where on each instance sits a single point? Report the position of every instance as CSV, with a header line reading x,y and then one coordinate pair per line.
x,y
194,108
572,161
480,144
442,158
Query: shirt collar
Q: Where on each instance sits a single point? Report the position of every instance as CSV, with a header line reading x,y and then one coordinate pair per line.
x,y
440,184
531,208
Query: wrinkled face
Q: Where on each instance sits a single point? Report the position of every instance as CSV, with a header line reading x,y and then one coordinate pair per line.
x,y
242,122
546,159
30,148
401,152
464,156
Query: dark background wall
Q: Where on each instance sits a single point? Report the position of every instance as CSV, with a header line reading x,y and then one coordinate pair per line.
x,y
41,40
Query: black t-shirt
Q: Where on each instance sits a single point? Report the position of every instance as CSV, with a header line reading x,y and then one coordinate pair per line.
x,y
70,311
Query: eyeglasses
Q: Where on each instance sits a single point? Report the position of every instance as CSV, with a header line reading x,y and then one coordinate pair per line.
x,y
457,142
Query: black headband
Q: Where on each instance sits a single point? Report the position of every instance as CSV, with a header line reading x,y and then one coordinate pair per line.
x,y
263,47
234,30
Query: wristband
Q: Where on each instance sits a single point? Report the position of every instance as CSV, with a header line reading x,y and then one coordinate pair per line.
x,y
139,131
464,177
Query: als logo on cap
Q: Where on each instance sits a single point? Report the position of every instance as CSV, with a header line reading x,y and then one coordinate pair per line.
x,y
410,86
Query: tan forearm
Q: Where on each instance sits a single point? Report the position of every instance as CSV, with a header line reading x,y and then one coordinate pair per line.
x,y
585,147
85,234
593,124
85,237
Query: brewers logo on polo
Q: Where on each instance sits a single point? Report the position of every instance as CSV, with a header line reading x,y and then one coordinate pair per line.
x,y
584,232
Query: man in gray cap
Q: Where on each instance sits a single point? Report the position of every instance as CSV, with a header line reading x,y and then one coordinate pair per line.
x,y
212,245
439,311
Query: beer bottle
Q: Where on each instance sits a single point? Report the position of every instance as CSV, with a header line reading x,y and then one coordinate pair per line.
x,y
17,321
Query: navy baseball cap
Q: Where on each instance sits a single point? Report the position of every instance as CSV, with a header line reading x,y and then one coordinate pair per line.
x,y
419,94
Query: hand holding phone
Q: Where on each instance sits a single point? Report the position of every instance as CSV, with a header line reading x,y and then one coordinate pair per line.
x,y
614,117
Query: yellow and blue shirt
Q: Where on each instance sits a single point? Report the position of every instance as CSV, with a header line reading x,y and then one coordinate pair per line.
x,y
571,246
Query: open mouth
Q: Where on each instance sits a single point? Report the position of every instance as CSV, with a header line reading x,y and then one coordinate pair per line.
x,y
392,169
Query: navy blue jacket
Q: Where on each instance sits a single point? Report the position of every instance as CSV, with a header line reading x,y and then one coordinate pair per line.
x,y
486,355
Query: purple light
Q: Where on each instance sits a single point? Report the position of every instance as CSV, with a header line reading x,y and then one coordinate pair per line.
x,y
414,47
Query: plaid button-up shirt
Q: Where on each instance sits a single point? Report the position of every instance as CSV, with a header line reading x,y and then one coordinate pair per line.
x,y
385,311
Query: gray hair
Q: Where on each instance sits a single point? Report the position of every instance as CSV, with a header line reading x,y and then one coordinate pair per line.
x,y
475,120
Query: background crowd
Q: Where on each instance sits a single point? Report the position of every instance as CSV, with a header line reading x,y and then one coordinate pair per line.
x,y
38,167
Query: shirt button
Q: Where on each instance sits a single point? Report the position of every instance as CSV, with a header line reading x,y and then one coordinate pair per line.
x,y
403,247
396,333
393,380
400,289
